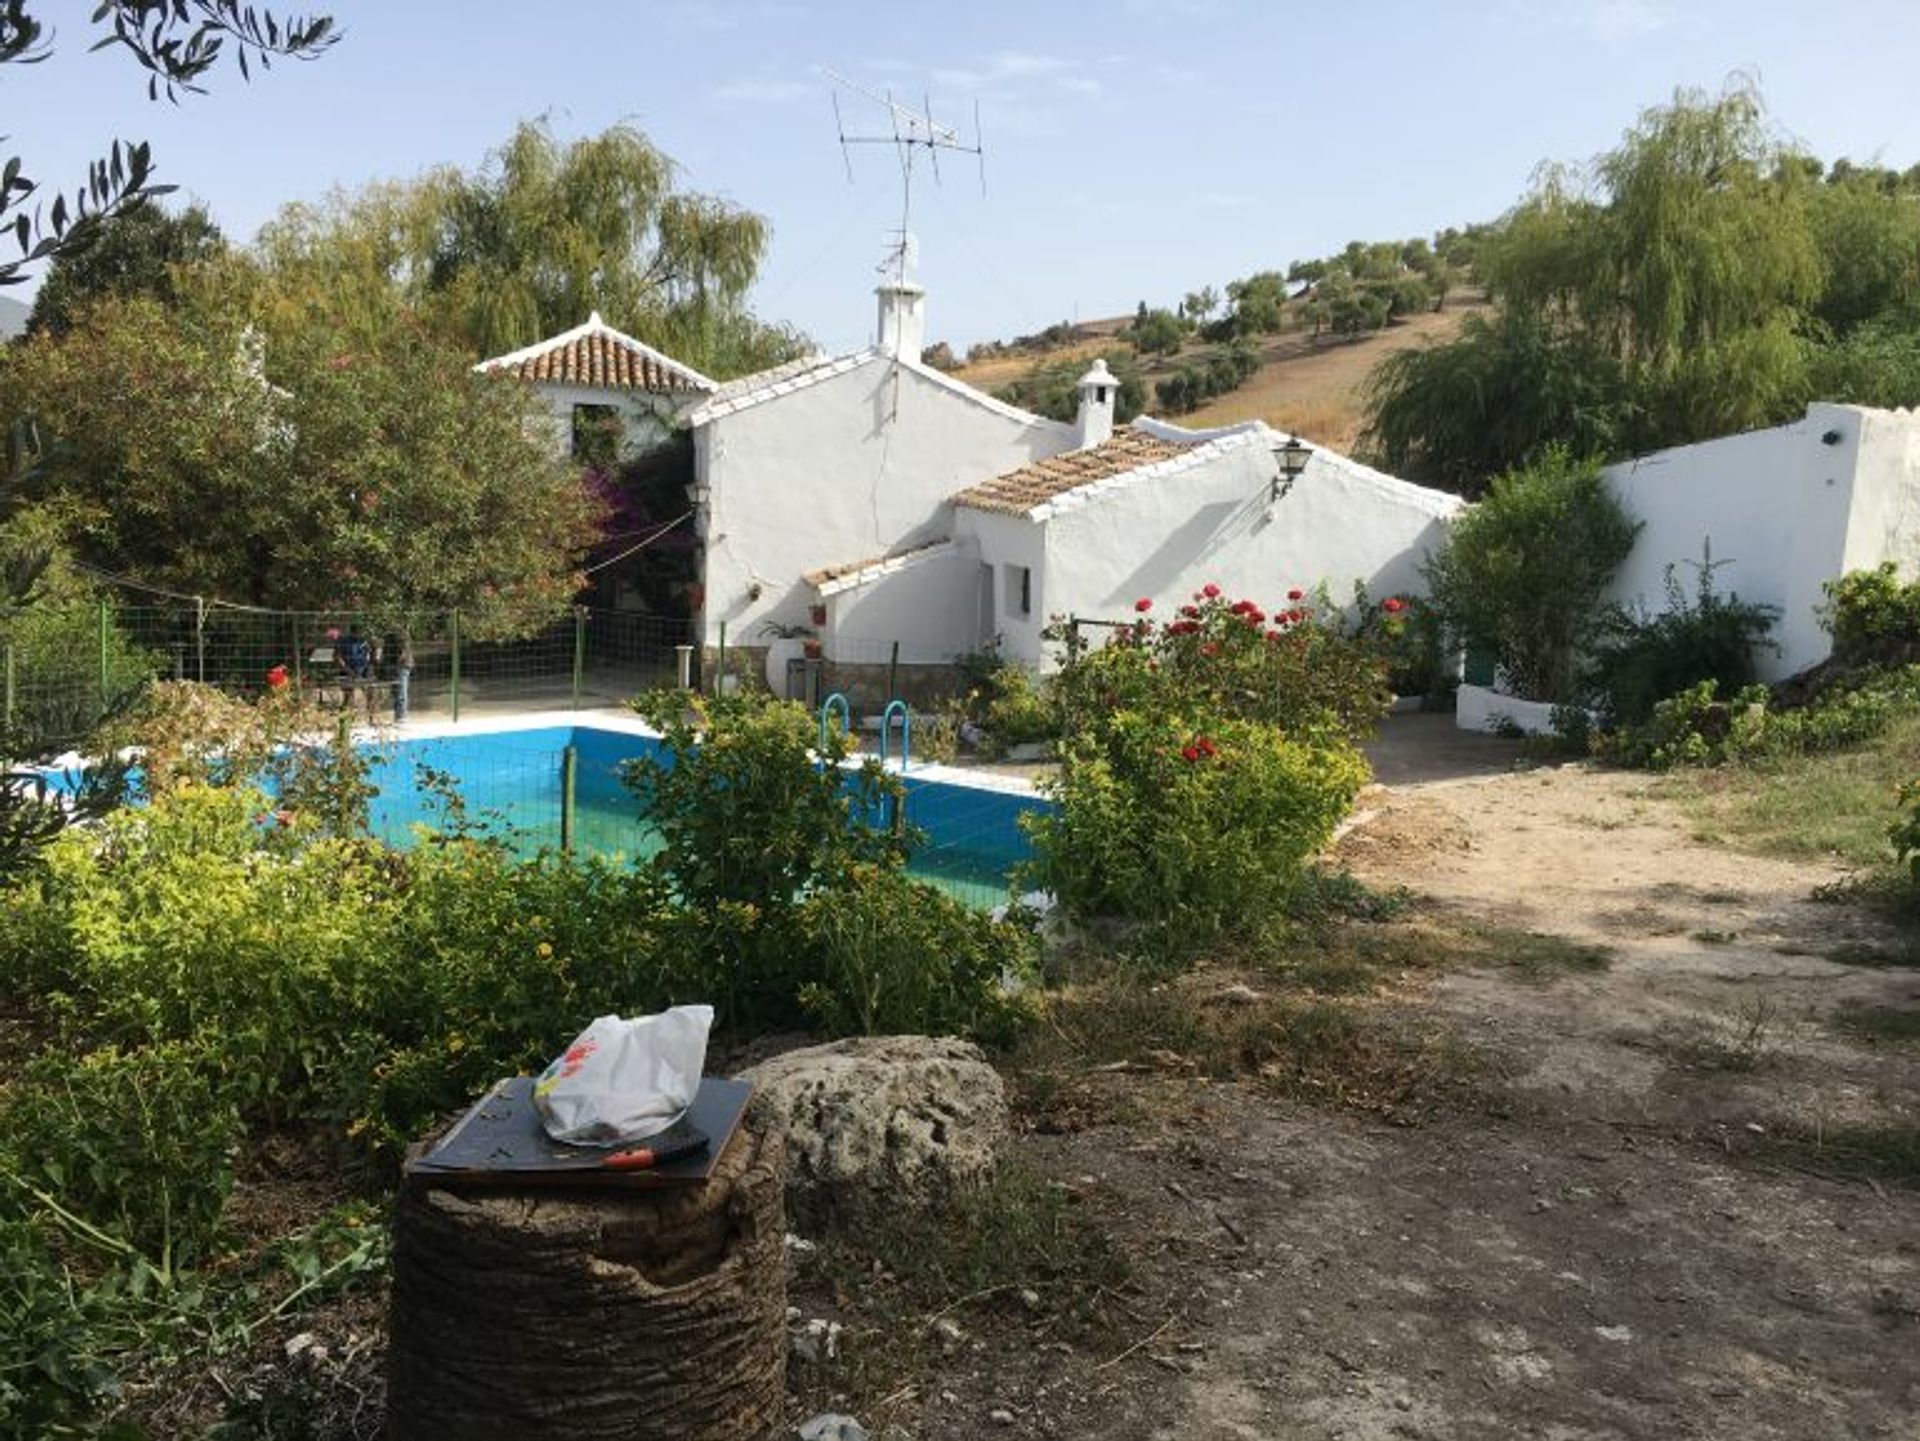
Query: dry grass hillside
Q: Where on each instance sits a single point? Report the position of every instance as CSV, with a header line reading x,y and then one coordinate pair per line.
x,y
1305,386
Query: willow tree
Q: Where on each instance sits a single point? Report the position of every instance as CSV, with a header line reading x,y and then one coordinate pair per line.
x,y
543,234
1671,282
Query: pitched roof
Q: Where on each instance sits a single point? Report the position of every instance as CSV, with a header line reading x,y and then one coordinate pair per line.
x,y
752,390
831,579
598,356
1020,491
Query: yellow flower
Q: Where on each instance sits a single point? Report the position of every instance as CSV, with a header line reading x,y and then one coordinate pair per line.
x,y
544,949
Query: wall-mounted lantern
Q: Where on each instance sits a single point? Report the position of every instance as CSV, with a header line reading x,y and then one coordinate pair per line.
x,y
1292,455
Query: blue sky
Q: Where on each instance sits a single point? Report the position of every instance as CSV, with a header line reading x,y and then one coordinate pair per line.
x,y
1135,148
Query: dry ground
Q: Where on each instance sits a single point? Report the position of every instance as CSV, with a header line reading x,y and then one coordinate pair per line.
x,y
1309,387
1636,1221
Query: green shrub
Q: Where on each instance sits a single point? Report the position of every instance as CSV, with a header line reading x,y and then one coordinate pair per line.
x,y
890,954
1873,616
1638,661
1523,571
752,821
1300,668
1017,711
138,1143
52,1370
1699,726
1199,831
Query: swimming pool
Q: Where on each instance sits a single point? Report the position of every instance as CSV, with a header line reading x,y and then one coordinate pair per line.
x,y
510,780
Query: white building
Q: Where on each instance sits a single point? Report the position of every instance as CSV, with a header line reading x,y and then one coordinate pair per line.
x,y
902,515
594,376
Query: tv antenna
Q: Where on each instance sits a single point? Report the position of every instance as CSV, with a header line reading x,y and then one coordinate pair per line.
x,y
911,132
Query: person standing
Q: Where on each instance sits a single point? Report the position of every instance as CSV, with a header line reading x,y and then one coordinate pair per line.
x,y
402,676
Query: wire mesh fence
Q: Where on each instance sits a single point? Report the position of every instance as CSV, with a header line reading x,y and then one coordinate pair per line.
x,y
63,666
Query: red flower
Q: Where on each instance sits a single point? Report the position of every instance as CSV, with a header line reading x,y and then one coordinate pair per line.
x,y
1210,591
1205,747
1296,593
1393,605
1191,753
1192,612
1209,649
277,677
1143,605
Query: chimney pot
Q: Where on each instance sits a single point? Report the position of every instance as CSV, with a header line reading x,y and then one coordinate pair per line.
x,y
1094,421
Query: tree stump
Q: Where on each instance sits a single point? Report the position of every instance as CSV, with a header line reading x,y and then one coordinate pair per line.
x,y
581,1313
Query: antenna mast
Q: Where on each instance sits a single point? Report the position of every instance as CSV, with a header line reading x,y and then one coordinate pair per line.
x,y
912,131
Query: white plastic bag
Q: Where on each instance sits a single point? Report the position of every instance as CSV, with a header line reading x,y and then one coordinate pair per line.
x,y
625,1080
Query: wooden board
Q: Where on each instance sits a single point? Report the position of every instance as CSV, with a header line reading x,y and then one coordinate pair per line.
x,y
501,1142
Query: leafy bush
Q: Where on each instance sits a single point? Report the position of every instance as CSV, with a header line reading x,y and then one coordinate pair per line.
x,y
1639,660
1905,832
1197,830
1017,711
1699,726
1523,572
1873,616
1300,668
136,1143
892,954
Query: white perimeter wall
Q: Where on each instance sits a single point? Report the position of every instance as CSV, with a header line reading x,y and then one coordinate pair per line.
x,y
1163,535
844,469
1777,505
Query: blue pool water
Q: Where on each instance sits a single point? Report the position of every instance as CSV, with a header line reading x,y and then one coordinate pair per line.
x,y
510,781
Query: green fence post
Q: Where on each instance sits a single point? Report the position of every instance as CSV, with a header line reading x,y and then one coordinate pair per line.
x,y
453,632
569,768
579,649
200,639
9,686
299,682
893,673
106,619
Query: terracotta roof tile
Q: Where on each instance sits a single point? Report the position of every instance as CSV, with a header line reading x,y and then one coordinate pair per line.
x,y
1019,491
598,356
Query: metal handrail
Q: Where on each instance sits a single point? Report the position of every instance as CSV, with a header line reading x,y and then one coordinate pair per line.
x,y
846,716
906,731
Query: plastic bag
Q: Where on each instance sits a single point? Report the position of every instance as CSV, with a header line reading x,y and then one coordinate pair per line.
x,y
625,1080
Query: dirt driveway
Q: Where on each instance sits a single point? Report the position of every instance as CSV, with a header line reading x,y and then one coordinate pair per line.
x,y
1632,1228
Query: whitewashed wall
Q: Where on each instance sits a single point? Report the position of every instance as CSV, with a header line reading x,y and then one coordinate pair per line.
x,y
649,419
841,470
929,604
1210,516
1000,544
1785,509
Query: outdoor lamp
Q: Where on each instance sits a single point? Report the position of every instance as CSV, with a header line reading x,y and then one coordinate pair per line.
x,y
1293,455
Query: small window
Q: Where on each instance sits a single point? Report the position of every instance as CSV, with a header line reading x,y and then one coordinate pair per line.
x,y
1019,590
597,433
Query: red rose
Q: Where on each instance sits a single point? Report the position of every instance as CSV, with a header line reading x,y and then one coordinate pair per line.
x,y
1393,605
277,677
1209,649
1296,593
1190,754
1191,611
1210,591
1143,605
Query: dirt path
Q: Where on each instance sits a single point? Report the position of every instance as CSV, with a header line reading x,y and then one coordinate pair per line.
x,y
1593,1247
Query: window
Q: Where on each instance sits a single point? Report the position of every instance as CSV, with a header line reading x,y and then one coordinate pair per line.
x,y
1019,591
597,432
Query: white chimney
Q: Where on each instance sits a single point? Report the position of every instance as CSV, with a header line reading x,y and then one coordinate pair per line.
x,y
1094,422
903,319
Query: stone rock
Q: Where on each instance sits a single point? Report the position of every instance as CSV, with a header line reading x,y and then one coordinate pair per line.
x,y
881,1121
830,1426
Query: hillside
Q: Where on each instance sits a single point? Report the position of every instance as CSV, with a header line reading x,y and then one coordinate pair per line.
x,y
1311,387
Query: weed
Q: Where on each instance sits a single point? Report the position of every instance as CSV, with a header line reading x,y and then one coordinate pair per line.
x,y
1899,1025
1534,954
1889,1152
1739,1043
892,1275
1903,955
1716,937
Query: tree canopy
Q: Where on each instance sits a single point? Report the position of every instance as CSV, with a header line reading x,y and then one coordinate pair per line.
x,y
545,233
136,251
1702,277
300,469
